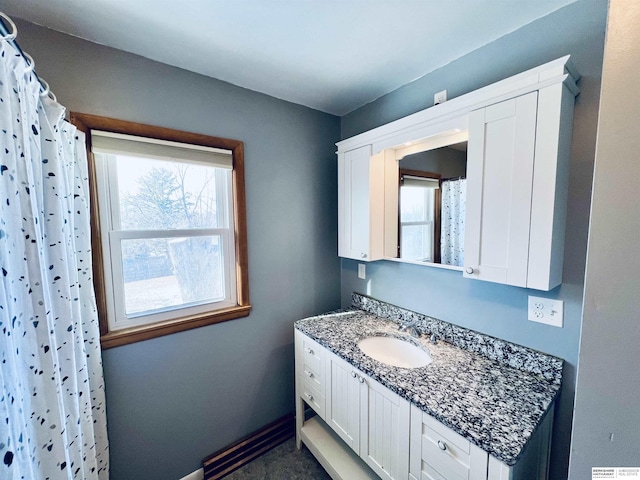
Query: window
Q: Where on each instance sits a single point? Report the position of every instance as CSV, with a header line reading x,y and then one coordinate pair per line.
x,y
419,219
169,229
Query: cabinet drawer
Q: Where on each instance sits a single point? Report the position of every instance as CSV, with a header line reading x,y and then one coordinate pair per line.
x,y
312,360
447,455
313,398
312,377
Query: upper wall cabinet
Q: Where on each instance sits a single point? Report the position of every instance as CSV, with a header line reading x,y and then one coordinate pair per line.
x,y
360,203
507,223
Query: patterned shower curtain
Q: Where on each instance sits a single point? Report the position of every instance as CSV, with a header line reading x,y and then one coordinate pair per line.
x,y
52,403
454,204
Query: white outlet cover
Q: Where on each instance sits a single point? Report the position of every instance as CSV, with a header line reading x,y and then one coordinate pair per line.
x,y
440,97
362,271
546,310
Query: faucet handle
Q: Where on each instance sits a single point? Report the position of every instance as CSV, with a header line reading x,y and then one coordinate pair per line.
x,y
413,331
406,324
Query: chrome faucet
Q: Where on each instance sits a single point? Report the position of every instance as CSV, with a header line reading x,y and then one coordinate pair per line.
x,y
410,328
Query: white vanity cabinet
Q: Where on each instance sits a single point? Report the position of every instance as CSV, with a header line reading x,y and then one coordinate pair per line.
x,y
363,430
360,205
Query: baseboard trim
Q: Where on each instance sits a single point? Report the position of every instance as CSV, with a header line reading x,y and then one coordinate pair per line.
x,y
225,461
197,475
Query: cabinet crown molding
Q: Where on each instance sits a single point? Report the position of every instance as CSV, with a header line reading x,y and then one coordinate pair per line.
x,y
429,121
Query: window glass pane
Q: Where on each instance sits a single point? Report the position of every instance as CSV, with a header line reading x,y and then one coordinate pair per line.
x,y
416,204
167,273
160,194
417,242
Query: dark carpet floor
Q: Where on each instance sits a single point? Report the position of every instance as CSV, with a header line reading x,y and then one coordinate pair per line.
x,y
283,462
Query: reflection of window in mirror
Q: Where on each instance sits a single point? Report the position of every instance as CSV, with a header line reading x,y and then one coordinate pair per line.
x,y
419,225
432,204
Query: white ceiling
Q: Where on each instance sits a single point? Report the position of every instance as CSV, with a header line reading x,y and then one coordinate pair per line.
x,y
331,55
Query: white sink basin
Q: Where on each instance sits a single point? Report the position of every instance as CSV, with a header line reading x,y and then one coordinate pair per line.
x,y
394,351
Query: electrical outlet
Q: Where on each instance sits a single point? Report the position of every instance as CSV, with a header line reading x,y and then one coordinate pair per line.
x,y
362,271
440,97
546,310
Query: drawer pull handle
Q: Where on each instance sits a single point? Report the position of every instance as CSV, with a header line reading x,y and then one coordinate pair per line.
x,y
361,380
309,374
309,396
441,445
353,374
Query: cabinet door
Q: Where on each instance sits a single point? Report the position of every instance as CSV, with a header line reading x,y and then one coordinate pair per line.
x,y
342,412
499,185
384,430
360,204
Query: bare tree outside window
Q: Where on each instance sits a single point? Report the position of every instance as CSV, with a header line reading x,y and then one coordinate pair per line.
x,y
170,195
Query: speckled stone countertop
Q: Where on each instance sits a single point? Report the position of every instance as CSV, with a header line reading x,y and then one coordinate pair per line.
x,y
492,392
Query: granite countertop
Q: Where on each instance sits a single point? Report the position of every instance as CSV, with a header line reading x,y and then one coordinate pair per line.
x,y
493,404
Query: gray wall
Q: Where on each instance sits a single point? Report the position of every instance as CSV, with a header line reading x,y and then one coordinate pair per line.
x,y
175,399
499,310
446,161
607,416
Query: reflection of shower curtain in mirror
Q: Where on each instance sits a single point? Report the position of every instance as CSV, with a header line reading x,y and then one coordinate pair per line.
x,y
454,203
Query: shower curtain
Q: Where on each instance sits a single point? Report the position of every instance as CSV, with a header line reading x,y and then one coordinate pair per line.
x,y
454,203
52,403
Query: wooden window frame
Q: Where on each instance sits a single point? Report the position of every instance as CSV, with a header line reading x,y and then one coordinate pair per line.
x,y
109,339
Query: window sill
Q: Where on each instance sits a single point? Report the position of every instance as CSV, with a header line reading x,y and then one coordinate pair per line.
x,y
146,332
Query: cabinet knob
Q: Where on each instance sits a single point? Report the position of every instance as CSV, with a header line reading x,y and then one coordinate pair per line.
x,y
469,270
363,255
353,374
310,397
310,350
309,374
441,445
361,380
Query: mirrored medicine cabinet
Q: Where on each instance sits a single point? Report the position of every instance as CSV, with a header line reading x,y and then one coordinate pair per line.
x,y
432,204
431,199
476,184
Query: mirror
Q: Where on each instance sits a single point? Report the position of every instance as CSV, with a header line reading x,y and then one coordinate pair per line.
x,y
431,205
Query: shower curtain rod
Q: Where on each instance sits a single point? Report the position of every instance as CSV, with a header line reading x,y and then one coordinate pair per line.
x,y
11,32
462,177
